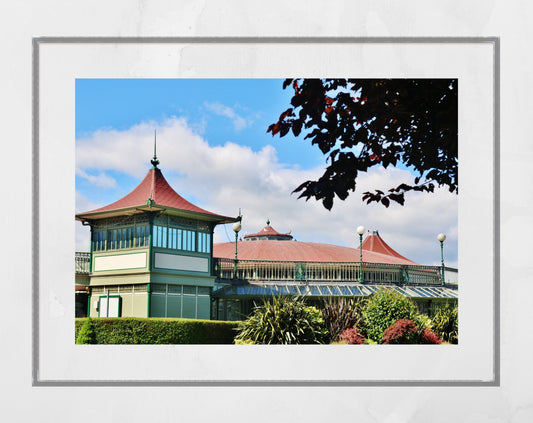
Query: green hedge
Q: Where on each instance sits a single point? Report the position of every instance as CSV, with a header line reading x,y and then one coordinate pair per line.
x,y
130,330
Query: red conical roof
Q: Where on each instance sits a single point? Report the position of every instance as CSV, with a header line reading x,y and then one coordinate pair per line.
x,y
154,192
375,244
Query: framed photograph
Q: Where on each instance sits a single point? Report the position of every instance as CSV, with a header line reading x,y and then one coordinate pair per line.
x,y
98,119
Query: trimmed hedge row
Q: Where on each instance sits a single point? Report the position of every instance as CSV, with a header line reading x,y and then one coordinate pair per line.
x,y
131,330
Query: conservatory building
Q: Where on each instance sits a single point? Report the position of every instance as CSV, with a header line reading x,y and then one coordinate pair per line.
x,y
270,263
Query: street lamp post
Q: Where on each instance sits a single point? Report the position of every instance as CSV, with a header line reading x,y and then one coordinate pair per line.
x,y
236,229
442,238
360,231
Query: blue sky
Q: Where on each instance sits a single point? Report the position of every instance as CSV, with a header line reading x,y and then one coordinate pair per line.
x,y
236,110
214,150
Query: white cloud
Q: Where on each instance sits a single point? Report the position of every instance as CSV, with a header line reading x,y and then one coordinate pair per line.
x,y
101,180
225,178
239,122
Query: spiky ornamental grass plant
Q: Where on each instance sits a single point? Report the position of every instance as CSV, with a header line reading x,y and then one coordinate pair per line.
x,y
340,314
283,320
446,323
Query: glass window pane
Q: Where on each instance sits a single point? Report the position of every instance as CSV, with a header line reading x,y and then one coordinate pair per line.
x,y
189,290
204,290
164,238
154,241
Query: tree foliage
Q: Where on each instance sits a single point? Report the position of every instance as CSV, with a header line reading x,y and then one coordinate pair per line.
x,y
362,123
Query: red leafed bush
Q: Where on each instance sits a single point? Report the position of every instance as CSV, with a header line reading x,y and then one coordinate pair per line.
x,y
351,336
402,331
429,337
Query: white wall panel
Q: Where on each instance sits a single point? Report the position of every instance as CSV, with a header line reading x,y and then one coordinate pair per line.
x,y
176,262
120,262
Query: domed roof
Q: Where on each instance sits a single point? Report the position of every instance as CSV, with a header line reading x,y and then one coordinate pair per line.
x,y
375,251
268,233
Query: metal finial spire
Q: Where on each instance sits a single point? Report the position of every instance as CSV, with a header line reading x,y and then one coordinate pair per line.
x,y
154,161
268,222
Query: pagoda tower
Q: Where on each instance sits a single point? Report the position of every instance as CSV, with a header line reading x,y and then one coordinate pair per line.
x,y
151,253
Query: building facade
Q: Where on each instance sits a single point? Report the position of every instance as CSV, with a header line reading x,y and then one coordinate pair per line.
x,y
150,254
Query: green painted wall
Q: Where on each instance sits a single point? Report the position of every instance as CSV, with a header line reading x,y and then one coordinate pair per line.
x,y
178,304
163,278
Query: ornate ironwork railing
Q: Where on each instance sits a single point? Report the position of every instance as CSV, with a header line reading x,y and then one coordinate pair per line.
x,y
83,262
264,271
261,271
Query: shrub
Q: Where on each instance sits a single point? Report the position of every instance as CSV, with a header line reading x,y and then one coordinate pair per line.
x,y
422,321
86,334
383,308
445,323
403,331
283,320
351,336
340,314
429,337
244,342
131,330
